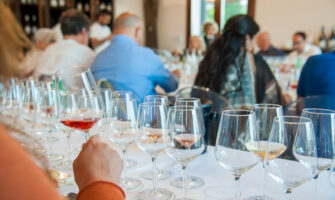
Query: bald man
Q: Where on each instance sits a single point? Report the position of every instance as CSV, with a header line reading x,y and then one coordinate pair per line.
x,y
266,48
127,66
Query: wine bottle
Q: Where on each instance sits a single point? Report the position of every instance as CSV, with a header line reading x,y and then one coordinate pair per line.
x,y
53,3
79,6
27,28
331,41
323,39
62,3
87,7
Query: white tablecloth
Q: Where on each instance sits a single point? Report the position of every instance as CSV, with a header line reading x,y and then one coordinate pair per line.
x,y
212,173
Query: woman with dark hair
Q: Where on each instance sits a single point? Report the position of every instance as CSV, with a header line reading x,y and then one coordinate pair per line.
x,y
230,69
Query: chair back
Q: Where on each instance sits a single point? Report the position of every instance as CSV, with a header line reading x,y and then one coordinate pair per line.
x,y
295,108
212,105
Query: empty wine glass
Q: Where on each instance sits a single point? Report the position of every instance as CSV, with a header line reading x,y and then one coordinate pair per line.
x,y
124,95
192,181
324,130
123,133
265,114
291,157
161,174
332,174
237,132
185,141
153,130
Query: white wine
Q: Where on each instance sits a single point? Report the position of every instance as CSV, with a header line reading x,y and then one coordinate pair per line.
x,y
259,149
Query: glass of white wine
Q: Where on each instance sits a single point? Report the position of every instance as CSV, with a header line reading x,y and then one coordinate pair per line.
x,y
324,130
236,134
161,174
265,114
152,128
123,132
297,164
185,141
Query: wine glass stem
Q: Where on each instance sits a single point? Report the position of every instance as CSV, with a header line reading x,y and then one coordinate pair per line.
x,y
184,181
316,178
86,135
289,194
69,149
264,182
238,187
154,177
49,138
124,153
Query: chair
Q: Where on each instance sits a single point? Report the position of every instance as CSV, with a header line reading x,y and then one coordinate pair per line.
x,y
212,104
295,108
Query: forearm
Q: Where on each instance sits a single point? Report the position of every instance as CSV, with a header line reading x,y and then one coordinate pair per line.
x,y
95,42
101,190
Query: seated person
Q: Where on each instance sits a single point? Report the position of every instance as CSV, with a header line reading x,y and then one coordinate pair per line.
x,y
318,76
196,45
71,50
100,32
266,48
97,169
210,30
128,66
230,69
42,38
301,52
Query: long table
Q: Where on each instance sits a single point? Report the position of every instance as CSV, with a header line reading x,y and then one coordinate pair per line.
x,y
206,167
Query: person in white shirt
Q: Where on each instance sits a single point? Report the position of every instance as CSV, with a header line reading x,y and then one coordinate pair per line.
x,y
42,38
100,32
301,51
71,50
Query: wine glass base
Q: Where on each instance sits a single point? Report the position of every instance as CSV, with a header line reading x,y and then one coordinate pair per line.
x,y
130,184
131,163
160,175
53,158
191,183
155,194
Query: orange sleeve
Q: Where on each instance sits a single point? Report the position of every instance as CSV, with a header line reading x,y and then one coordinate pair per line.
x,y
20,178
101,190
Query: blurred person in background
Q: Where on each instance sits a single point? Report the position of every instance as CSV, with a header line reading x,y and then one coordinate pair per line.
x,y
71,50
265,46
100,32
301,52
42,38
127,66
97,169
230,69
210,30
57,28
196,45
318,76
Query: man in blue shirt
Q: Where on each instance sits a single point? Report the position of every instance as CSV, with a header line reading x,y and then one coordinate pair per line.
x,y
129,67
318,76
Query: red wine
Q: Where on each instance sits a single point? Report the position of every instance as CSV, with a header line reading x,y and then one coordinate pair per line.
x,y
80,124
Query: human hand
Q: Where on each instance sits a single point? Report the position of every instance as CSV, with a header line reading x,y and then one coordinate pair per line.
x,y
97,161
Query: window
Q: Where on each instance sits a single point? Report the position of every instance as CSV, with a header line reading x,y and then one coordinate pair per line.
x,y
201,11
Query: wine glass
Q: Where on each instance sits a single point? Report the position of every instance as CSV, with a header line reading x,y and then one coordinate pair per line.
x,y
185,141
332,174
291,157
161,174
152,128
124,95
161,99
90,105
46,115
236,134
324,130
123,133
265,114
192,181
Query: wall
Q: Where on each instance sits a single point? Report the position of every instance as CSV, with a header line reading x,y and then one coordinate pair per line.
x,y
284,17
172,24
